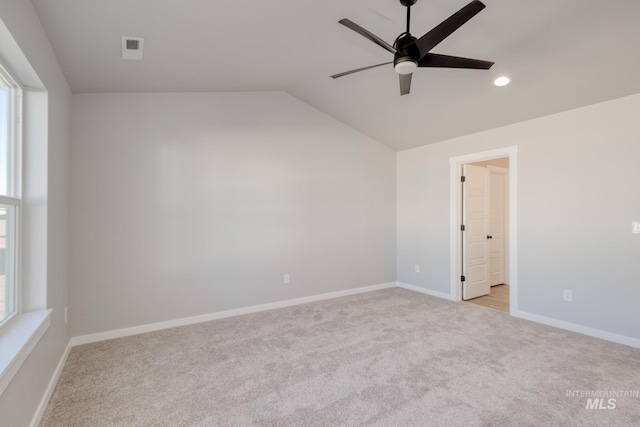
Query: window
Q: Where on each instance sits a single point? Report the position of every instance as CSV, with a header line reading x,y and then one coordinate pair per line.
x,y
10,136
24,318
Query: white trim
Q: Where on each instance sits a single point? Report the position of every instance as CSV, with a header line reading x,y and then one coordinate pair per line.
x,y
597,333
485,155
14,194
584,330
37,417
454,209
426,291
17,341
118,333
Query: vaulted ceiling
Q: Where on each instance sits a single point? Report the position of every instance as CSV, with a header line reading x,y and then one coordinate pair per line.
x,y
559,54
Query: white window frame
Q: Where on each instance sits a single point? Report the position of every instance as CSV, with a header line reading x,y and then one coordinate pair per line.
x,y
20,335
14,188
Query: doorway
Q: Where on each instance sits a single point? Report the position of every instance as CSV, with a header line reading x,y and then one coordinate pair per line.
x,y
483,228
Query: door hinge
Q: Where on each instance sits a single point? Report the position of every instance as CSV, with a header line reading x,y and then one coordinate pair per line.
x,y
462,228
462,278
463,178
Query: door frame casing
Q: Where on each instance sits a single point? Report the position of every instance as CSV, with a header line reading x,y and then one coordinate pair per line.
x,y
456,218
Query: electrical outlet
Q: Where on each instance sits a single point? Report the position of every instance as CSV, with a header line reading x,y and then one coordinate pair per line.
x,y
635,227
287,279
66,315
567,295
417,268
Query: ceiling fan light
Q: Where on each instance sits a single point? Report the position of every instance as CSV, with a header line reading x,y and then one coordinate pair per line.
x,y
405,67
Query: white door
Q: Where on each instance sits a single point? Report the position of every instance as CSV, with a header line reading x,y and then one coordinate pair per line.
x,y
475,217
497,224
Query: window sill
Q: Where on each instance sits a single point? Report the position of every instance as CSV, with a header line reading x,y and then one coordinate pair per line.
x,y
17,340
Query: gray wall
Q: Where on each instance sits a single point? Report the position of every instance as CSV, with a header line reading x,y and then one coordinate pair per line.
x,y
577,196
46,204
187,204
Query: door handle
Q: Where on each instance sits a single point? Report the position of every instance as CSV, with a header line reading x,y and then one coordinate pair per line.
x,y
489,237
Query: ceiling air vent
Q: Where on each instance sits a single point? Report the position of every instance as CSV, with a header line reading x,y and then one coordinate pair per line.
x,y
132,47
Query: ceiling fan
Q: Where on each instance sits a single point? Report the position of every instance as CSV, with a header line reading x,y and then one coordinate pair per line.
x,y
411,53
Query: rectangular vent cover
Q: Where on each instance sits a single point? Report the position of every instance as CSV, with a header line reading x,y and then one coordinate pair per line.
x,y
133,44
132,47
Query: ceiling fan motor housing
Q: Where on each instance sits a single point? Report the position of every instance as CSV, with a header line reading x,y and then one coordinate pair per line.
x,y
405,60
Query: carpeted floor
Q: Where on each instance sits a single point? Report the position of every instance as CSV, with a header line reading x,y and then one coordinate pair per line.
x,y
385,358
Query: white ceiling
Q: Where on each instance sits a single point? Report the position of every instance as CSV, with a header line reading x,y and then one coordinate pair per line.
x,y
560,55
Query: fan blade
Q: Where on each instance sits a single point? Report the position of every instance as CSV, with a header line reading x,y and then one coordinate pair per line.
x,y
446,61
335,76
405,83
447,27
364,33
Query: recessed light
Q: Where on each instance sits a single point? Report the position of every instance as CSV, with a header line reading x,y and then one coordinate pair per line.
x,y
502,81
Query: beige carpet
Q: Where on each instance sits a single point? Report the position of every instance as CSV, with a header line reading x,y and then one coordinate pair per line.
x,y
384,358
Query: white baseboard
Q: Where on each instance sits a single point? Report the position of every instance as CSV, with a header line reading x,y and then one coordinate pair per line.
x,y
37,417
102,336
425,291
86,339
597,333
